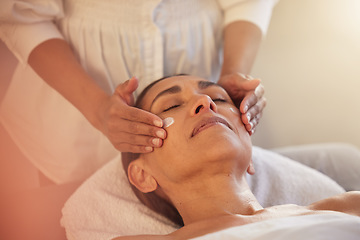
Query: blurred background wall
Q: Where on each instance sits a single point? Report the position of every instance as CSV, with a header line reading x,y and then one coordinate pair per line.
x,y
310,66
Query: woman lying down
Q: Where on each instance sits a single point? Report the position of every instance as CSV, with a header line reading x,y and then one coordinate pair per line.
x,y
197,179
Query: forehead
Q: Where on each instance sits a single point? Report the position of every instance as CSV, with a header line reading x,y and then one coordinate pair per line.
x,y
175,83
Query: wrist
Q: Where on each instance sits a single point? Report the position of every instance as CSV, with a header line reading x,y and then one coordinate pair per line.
x,y
94,110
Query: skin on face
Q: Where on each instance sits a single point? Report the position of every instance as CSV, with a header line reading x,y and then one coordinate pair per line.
x,y
207,128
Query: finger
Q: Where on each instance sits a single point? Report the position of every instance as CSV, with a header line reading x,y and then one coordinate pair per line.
x,y
140,128
128,86
140,140
252,98
132,85
252,132
254,111
126,90
142,116
118,126
249,100
247,77
249,129
257,108
253,123
246,118
259,91
126,147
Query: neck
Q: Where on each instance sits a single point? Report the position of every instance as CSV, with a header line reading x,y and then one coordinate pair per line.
x,y
214,196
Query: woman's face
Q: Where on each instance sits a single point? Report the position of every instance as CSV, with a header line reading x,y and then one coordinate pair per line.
x,y
206,129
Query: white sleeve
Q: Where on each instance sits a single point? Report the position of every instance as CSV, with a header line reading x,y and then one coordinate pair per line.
x,y
257,12
26,24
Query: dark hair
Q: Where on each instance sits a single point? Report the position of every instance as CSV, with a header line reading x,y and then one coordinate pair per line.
x,y
151,200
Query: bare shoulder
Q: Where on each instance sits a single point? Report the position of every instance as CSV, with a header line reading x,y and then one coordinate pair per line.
x,y
348,202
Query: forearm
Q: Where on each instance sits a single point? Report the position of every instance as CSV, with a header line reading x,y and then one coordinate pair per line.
x,y
241,43
54,61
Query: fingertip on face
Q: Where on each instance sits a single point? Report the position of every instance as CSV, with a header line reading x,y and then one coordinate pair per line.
x,y
161,133
148,149
158,123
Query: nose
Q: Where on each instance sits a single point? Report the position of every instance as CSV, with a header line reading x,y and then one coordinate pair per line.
x,y
202,104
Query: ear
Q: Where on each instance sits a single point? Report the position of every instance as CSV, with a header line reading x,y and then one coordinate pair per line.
x,y
140,178
251,169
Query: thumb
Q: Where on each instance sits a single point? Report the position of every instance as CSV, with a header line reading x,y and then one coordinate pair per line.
x,y
126,90
131,85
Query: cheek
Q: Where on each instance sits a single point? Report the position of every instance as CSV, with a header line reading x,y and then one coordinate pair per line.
x,y
175,146
234,110
168,164
174,141
173,124
232,115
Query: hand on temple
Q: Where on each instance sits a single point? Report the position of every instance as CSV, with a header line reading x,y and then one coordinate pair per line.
x,y
248,95
128,128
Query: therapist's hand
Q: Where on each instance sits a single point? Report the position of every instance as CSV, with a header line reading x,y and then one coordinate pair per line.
x,y
248,95
128,128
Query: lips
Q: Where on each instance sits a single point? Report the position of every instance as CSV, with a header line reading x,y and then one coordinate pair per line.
x,y
209,122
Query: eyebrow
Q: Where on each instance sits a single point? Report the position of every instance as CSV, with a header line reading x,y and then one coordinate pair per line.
x,y
206,84
176,89
171,90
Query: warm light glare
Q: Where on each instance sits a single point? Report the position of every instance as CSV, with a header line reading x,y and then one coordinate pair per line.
x,y
344,15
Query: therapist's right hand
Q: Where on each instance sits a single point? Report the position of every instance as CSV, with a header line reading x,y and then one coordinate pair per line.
x,y
128,128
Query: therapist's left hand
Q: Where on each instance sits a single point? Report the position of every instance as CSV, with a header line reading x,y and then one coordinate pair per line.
x,y
248,95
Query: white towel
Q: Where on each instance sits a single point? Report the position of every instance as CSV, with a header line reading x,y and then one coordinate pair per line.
x,y
339,161
332,226
280,180
105,207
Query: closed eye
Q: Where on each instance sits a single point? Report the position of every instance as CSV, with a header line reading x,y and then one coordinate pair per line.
x,y
177,105
219,100
172,107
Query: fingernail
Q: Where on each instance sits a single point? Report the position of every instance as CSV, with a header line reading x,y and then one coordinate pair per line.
x,y
246,108
248,117
148,149
160,134
158,123
133,78
242,75
257,91
156,142
248,77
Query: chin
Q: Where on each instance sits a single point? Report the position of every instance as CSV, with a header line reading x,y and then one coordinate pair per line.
x,y
225,145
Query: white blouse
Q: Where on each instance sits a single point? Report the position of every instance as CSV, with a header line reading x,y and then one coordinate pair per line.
x,y
113,40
